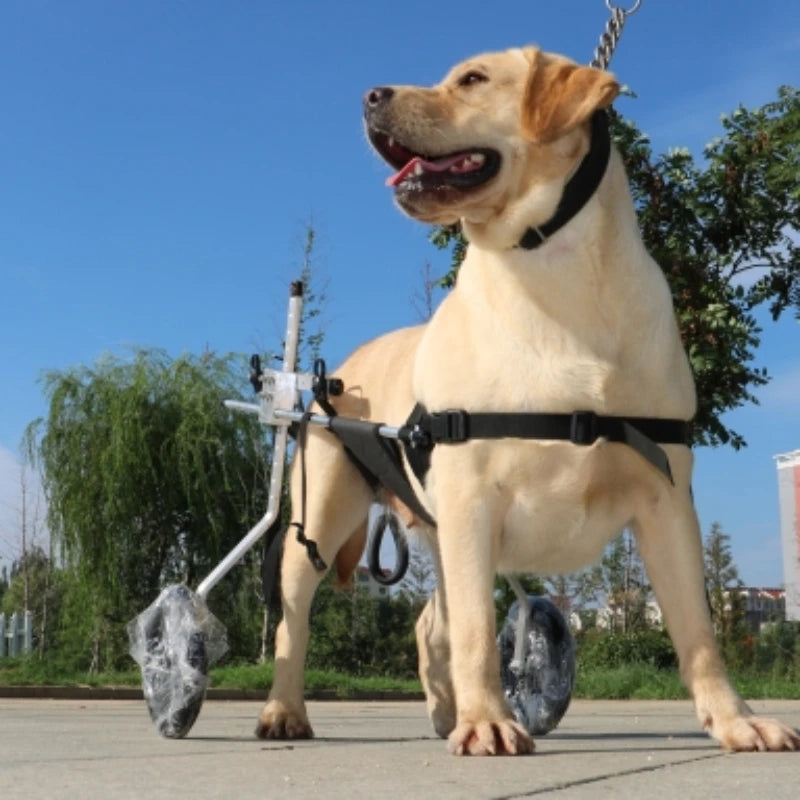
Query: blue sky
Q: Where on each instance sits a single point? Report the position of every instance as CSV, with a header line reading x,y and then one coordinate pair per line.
x,y
160,160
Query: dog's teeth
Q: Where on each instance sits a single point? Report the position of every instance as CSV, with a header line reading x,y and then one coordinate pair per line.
x,y
418,170
391,141
478,158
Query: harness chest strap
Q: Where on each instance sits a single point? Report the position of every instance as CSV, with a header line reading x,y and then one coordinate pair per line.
x,y
581,428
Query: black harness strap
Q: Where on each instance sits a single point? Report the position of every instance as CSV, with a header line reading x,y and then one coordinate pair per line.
x,y
309,544
380,457
271,565
387,521
580,427
580,187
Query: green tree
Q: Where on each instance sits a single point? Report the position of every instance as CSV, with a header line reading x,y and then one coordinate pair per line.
x,y
620,580
722,575
726,235
356,633
150,480
312,332
572,593
728,611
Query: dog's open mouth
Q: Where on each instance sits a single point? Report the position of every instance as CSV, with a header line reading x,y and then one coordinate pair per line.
x,y
464,170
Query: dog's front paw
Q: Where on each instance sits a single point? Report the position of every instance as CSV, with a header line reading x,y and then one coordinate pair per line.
x,y
755,733
490,738
278,721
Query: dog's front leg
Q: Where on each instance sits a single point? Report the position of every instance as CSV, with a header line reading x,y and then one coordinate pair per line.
x,y
469,533
669,540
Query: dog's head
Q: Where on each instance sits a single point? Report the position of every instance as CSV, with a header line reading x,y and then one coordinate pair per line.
x,y
497,137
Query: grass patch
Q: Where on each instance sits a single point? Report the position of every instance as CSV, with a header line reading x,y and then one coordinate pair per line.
x,y
629,682
626,682
259,678
33,672
764,687
255,677
646,682
347,685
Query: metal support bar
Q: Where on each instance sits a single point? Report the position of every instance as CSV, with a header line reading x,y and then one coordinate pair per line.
x,y
278,457
387,431
517,663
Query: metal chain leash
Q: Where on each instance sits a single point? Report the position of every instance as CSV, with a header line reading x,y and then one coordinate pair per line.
x,y
610,37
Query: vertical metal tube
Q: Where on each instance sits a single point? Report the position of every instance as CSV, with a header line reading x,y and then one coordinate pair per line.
x,y
278,456
517,662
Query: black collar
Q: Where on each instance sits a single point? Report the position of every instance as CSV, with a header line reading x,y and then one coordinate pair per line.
x,y
580,187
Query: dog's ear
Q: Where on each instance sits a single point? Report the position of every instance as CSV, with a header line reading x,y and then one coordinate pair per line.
x,y
560,94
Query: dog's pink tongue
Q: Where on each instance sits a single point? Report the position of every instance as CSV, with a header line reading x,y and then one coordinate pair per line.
x,y
418,165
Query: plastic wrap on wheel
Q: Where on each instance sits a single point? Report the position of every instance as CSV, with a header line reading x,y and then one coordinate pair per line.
x,y
539,692
175,641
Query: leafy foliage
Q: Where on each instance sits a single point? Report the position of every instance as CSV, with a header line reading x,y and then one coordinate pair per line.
x,y
312,332
726,234
362,635
653,647
620,579
150,479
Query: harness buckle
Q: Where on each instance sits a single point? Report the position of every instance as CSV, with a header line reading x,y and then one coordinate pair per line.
x,y
448,426
584,427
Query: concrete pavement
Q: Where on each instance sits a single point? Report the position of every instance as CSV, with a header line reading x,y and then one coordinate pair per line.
x,y
109,750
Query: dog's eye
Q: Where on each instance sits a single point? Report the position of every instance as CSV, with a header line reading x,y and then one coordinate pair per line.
x,y
471,78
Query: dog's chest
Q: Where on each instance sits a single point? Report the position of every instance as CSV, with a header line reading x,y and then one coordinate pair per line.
x,y
561,358
552,506
495,368
560,518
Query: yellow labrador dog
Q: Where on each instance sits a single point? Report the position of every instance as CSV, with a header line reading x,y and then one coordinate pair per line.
x,y
558,309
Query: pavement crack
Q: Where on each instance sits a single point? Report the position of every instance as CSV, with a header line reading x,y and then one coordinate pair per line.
x,y
560,787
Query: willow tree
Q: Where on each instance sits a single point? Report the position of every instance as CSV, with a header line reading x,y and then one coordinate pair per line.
x,y
149,478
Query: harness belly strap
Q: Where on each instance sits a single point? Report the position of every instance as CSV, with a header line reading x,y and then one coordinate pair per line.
x,y
580,427
379,458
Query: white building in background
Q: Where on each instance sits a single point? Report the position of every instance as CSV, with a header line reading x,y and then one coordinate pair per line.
x,y
364,581
789,497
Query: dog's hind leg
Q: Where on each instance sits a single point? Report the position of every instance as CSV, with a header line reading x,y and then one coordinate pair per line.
x,y
669,540
433,646
337,505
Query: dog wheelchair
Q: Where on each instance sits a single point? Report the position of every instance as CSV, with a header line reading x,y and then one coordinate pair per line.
x,y
177,639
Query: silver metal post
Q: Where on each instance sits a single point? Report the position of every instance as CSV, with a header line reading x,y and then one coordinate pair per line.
x,y
278,458
387,431
517,663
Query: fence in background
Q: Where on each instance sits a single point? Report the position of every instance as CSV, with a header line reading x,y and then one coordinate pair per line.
x,y
16,634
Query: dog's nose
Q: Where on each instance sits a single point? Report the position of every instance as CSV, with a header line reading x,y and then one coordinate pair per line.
x,y
376,97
